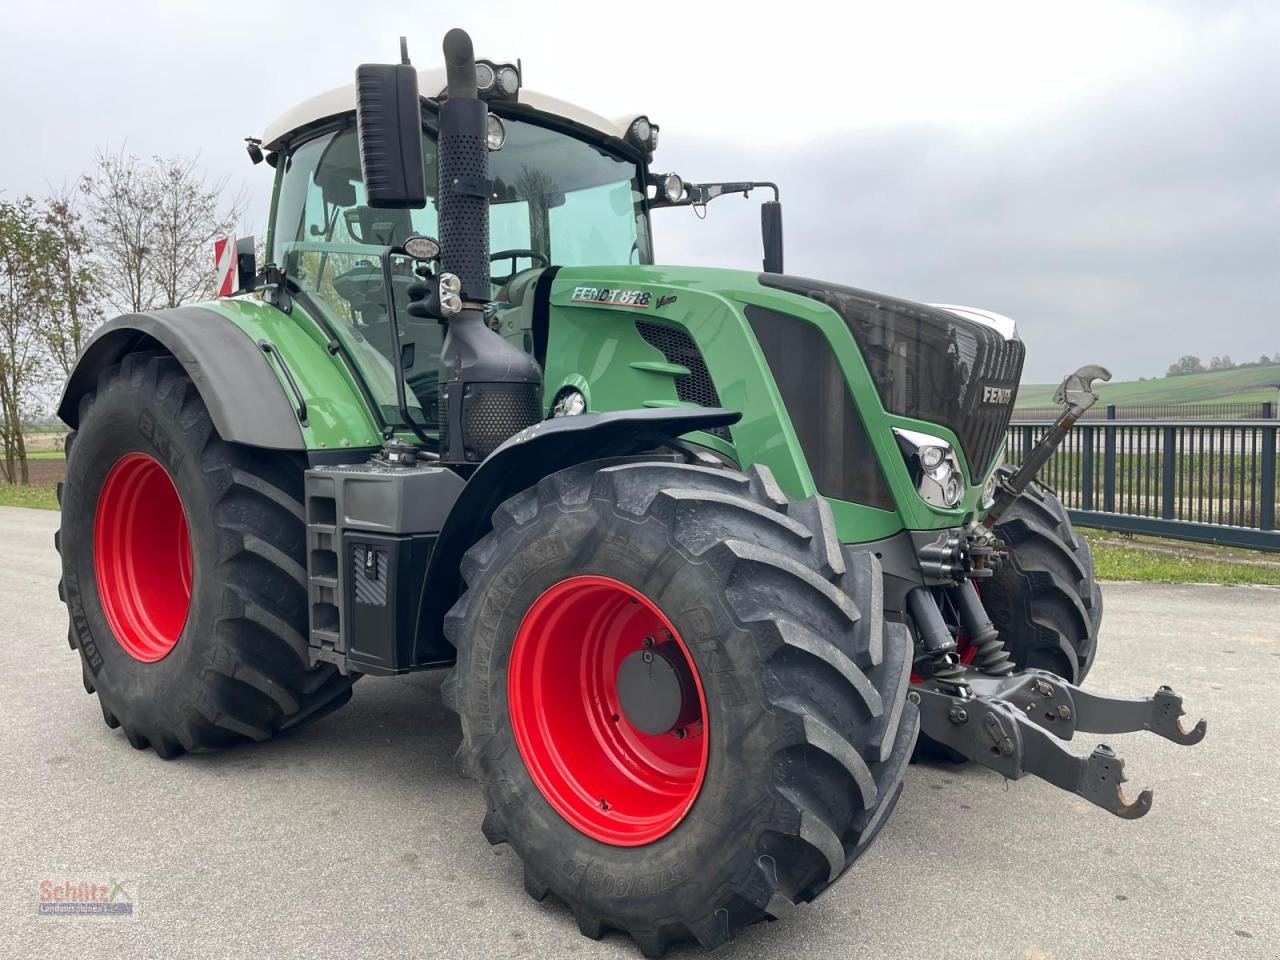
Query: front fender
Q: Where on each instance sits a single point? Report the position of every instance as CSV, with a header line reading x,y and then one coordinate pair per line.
x,y
518,464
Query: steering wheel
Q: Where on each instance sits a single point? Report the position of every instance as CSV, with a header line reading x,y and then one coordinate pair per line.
x,y
360,285
514,255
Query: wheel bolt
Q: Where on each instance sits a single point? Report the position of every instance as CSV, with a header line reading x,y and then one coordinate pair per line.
x,y
1064,712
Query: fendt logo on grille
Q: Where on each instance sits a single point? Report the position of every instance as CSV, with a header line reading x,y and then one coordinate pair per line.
x,y
997,394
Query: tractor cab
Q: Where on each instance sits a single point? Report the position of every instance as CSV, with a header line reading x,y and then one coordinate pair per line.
x,y
567,187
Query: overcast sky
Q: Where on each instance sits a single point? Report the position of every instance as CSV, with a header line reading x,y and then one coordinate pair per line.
x,y
1108,174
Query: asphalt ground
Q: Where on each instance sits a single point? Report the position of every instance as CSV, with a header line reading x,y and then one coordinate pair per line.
x,y
356,838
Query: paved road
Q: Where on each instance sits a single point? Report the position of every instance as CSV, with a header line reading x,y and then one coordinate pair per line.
x,y
354,838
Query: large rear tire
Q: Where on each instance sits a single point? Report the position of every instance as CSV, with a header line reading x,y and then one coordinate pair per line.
x,y
1045,600
184,570
784,764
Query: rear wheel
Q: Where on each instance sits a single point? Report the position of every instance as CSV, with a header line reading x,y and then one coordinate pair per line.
x,y
680,695
1044,599
183,561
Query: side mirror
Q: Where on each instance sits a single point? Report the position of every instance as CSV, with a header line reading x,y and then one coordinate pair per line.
x,y
389,129
246,263
771,235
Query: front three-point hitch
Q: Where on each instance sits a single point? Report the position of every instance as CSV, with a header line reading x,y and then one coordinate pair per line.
x,y
1015,726
1015,723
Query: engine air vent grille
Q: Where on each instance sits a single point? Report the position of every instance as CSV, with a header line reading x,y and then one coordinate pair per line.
x,y
678,347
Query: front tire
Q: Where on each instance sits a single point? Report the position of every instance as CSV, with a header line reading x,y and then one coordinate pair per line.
x,y
1044,599
800,706
183,570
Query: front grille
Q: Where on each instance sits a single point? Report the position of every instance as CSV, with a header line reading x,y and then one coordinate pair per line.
x,y
678,347
830,430
929,364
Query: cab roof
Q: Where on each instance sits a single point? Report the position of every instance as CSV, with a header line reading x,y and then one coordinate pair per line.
x,y
431,84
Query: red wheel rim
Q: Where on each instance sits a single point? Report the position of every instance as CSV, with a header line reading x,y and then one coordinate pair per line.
x,y
607,778
142,557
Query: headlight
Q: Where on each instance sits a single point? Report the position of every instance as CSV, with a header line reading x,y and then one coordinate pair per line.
x,y
989,491
484,76
495,133
932,457
570,403
953,489
422,248
643,135
933,466
673,187
508,80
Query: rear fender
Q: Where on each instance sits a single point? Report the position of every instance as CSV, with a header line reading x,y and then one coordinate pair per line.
x,y
264,377
518,464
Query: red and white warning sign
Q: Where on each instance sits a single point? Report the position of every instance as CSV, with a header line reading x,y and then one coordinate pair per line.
x,y
224,258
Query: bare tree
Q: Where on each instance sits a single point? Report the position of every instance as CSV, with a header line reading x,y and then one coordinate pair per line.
x,y
540,190
26,250
190,215
122,203
72,311
152,226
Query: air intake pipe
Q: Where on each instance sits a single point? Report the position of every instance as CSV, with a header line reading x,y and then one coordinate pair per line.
x,y
490,389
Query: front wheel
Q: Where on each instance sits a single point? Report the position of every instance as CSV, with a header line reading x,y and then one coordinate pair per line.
x,y
1044,599
680,695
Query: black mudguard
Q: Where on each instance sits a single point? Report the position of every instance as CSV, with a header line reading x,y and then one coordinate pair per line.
x,y
235,380
521,462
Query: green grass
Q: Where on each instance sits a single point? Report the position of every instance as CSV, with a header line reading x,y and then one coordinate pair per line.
x,y
1153,560
1247,385
46,455
42,496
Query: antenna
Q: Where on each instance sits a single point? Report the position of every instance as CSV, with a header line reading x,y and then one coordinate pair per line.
x,y
404,50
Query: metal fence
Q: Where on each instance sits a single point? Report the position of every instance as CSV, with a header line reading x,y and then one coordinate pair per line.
x,y
1262,410
1209,481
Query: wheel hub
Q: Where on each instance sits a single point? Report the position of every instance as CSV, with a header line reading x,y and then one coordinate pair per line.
x,y
656,690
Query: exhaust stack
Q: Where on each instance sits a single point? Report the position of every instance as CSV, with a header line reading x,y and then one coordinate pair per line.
x,y
490,389
464,173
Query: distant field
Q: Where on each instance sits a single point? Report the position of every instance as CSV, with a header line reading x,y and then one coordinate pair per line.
x,y
1248,385
47,440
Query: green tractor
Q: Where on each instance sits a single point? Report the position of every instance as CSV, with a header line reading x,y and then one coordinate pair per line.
x,y
704,552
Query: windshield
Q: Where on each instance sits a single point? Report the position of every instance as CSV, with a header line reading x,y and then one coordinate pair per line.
x,y
556,200
568,202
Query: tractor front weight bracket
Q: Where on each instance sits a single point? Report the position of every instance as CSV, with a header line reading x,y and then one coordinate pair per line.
x,y
1015,725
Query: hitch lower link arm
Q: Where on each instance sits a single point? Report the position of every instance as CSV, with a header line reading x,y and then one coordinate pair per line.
x,y
1015,725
